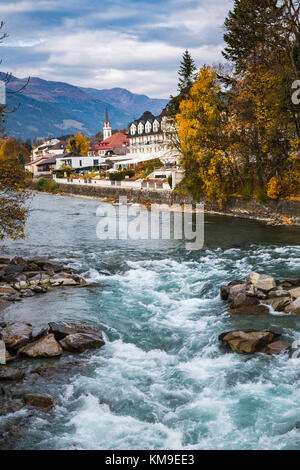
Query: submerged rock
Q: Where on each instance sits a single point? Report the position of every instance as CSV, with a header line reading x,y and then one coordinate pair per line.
x,y
80,342
11,373
47,346
39,401
59,369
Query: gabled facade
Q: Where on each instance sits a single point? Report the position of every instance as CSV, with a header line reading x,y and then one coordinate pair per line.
x,y
152,136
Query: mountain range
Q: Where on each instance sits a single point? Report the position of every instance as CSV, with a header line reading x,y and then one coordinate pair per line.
x,y
50,109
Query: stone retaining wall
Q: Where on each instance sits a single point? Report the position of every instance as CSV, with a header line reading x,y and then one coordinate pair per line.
x,y
236,207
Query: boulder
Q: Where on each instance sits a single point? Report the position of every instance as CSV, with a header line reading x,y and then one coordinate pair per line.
x,y
248,341
294,307
295,293
243,300
225,292
39,401
53,266
278,304
235,290
16,335
62,329
17,260
250,310
261,281
59,369
6,291
47,346
277,347
11,373
80,342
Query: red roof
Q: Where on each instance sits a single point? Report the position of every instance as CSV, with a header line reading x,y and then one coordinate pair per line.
x,y
117,140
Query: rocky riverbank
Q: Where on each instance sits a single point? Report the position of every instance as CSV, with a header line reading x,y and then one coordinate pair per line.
x,y
19,279
259,294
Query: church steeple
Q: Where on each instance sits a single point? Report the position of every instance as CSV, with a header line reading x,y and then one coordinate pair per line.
x,y
107,130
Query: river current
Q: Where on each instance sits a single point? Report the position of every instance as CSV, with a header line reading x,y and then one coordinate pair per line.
x,y
163,380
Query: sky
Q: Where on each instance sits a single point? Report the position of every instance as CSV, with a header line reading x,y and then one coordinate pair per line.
x,y
133,44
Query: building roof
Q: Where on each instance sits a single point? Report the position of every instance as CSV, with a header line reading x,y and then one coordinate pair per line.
x,y
48,161
117,140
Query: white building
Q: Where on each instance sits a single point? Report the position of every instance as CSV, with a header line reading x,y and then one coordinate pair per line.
x,y
153,137
51,147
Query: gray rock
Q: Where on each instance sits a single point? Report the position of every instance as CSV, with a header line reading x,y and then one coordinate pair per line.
x,y
63,329
80,342
16,335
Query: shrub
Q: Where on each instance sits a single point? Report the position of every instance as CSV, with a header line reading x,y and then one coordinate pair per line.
x,y
247,192
49,186
278,188
170,181
262,194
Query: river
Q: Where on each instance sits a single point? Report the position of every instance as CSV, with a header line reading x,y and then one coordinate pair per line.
x,y
162,381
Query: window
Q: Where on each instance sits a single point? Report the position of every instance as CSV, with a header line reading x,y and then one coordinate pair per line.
x,y
133,129
156,126
148,127
141,128
80,162
96,162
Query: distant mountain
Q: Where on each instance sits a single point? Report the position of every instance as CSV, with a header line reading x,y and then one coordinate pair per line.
x,y
46,108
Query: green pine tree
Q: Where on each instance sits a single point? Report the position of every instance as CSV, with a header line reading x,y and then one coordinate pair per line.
x,y
187,75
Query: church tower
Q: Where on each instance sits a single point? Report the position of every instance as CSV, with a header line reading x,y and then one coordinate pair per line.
x,y
107,130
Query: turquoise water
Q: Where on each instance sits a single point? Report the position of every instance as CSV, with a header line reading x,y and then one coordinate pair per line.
x,y
162,381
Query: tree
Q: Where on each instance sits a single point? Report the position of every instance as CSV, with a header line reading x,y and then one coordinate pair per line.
x,y
187,75
13,193
78,145
13,196
205,141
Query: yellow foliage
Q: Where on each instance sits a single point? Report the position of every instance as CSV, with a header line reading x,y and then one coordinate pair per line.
x,y
78,144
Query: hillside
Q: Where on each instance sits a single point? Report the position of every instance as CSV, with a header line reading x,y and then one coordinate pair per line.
x,y
47,108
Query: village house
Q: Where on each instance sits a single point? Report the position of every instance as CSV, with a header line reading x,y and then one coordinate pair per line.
x,y
51,147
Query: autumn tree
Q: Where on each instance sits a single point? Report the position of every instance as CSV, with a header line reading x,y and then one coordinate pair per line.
x,y
203,128
13,191
78,145
266,61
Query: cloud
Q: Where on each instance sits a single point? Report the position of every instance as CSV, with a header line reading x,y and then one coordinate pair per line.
x,y
135,44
